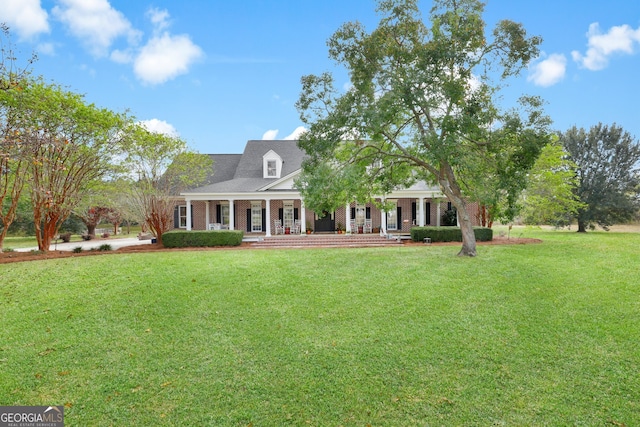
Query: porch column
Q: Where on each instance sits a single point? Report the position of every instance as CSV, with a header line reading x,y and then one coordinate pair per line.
x,y
347,215
188,201
231,215
438,213
267,212
303,218
207,215
383,220
421,221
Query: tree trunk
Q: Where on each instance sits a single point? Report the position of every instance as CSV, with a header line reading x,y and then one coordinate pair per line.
x,y
91,229
451,189
582,227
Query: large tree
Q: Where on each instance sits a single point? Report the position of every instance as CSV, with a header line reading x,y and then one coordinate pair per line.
x,y
608,168
550,197
13,161
70,145
421,105
160,167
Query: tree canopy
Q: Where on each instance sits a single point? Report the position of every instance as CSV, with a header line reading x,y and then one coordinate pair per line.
x,y
608,170
422,105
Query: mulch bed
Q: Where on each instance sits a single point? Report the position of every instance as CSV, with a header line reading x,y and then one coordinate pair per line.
x,y
8,257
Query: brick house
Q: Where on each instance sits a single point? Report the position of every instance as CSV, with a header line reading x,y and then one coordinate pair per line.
x,y
254,192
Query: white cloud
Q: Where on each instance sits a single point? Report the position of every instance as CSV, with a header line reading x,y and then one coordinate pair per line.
x,y
270,135
26,17
159,126
295,135
549,71
46,49
165,57
95,23
159,18
619,39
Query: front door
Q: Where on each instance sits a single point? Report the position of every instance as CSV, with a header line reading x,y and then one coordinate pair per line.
x,y
324,222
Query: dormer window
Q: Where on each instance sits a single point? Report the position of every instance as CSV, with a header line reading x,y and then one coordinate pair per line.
x,y
271,165
272,171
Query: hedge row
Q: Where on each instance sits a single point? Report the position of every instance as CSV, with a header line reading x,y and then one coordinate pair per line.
x,y
448,234
200,238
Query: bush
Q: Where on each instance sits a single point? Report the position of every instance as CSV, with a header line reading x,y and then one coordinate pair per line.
x,y
105,235
105,247
65,237
184,239
77,249
87,237
448,234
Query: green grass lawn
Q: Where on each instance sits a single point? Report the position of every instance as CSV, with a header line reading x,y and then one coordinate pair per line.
x,y
522,335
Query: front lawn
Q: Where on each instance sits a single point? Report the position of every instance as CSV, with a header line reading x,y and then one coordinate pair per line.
x,y
541,334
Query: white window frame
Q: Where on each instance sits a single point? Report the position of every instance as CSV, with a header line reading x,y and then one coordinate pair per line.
x,y
182,216
272,168
224,213
392,215
256,217
287,213
361,214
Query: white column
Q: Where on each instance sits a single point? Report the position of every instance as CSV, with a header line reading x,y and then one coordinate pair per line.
x,y
303,218
383,220
267,220
438,212
207,214
347,215
231,215
188,201
421,221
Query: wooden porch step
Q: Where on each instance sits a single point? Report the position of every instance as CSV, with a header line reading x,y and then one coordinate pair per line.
x,y
325,240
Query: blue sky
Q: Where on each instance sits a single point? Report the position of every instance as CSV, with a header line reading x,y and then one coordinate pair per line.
x,y
220,73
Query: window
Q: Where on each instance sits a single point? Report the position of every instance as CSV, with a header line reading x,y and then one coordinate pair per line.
x,y
361,212
224,214
182,216
256,216
392,215
287,213
272,170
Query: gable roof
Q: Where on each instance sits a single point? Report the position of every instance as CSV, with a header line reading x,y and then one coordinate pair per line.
x,y
242,173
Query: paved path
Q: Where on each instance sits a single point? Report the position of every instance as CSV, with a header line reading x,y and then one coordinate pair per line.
x,y
92,244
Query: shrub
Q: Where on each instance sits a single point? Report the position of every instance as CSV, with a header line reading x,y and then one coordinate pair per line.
x,y
105,235
183,239
448,234
105,247
87,237
65,237
77,249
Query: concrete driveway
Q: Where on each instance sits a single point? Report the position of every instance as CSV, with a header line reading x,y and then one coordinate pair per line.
x,y
92,244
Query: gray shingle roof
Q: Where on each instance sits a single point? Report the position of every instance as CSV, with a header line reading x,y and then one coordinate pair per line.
x,y
236,173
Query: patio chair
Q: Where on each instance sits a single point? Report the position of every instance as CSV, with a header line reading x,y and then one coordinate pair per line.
x,y
367,226
354,227
297,227
277,227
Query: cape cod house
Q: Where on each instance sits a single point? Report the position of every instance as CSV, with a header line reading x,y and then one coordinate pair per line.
x,y
255,192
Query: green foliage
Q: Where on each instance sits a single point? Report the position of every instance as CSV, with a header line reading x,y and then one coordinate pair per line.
x,y
422,107
77,249
607,159
550,197
105,247
448,234
199,238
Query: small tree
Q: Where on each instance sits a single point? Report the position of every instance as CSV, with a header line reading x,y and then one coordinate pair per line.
x,y
421,106
161,167
608,167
